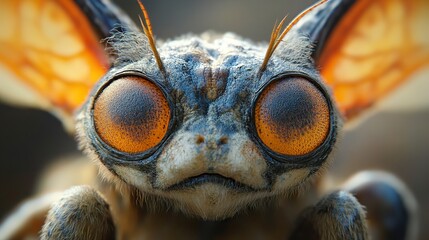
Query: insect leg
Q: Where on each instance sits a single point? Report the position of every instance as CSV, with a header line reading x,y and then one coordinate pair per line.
x,y
337,216
81,213
391,208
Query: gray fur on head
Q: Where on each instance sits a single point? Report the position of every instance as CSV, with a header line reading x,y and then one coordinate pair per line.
x,y
127,47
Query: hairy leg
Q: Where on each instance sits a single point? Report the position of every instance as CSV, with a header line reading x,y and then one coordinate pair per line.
x,y
81,213
337,216
391,208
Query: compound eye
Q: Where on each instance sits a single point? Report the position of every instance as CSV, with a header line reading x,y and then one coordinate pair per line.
x,y
131,114
292,116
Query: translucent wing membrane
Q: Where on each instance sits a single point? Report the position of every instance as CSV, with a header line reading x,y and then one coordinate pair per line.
x,y
49,55
375,47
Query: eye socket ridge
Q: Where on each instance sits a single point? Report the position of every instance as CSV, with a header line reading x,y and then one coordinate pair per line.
x,y
295,123
131,116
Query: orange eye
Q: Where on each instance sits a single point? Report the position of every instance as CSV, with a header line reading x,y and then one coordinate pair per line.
x,y
292,116
131,114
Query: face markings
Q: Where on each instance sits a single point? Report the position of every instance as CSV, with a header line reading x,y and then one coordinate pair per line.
x,y
215,82
131,114
292,117
179,160
185,158
247,157
211,97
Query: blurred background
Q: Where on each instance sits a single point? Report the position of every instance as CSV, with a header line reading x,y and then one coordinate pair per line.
x,y
393,137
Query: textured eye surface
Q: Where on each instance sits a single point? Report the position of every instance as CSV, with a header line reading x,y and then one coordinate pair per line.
x,y
131,114
292,116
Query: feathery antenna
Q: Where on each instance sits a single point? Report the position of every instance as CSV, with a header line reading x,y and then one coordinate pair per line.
x,y
277,37
147,29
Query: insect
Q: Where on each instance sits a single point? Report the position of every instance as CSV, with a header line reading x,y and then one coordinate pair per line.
x,y
234,131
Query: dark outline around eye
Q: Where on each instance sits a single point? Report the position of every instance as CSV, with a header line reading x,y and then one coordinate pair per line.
x,y
317,153
109,150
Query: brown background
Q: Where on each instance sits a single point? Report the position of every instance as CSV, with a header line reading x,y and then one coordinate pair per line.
x,y
395,137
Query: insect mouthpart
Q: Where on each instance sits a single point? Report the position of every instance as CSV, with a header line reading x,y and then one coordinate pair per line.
x,y
212,178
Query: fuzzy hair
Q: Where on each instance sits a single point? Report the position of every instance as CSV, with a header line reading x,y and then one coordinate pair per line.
x,y
295,49
158,201
127,47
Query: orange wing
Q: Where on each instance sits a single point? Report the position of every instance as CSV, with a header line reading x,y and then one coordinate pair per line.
x,y
49,55
373,49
